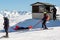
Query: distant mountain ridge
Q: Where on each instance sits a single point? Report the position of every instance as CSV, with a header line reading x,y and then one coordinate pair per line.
x,y
7,13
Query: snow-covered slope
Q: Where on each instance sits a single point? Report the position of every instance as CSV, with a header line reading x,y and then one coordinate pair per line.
x,y
34,34
15,17
22,19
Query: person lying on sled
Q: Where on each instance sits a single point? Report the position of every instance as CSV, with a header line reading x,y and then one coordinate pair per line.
x,y
21,28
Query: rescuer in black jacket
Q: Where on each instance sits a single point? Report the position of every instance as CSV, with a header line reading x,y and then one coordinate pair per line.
x,y
6,25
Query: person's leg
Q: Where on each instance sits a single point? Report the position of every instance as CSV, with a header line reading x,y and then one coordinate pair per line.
x,y
6,35
54,16
45,25
6,30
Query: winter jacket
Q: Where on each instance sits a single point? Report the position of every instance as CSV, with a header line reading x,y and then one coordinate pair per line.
x,y
6,22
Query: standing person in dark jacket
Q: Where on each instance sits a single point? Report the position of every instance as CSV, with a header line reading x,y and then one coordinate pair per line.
x,y
44,19
54,13
6,25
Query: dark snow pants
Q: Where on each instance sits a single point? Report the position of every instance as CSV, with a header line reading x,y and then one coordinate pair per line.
x,y
6,30
44,24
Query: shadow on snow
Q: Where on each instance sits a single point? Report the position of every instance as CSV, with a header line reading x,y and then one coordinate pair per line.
x,y
32,22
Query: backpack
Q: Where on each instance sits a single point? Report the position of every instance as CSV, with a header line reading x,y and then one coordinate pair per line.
x,y
48,17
